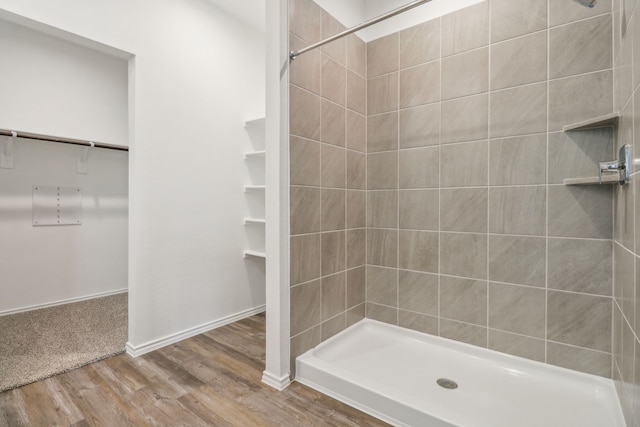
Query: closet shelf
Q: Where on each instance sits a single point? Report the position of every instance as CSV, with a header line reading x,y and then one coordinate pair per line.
x,y
252,154
610,119
255,122
255,220
593,180
254,187
253,253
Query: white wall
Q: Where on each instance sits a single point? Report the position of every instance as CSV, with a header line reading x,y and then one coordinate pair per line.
x,y
196,76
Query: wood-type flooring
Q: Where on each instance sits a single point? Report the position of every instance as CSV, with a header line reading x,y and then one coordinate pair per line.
x,y
212,379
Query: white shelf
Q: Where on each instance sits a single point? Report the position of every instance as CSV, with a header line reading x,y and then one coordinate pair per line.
x,y
257,254
259,122
254,154
597,122
593,180
255,220
254,187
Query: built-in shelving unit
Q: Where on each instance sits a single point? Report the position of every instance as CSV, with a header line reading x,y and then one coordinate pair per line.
x,y
255,221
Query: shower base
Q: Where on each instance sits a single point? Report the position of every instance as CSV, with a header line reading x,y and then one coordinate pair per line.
x,y
392,373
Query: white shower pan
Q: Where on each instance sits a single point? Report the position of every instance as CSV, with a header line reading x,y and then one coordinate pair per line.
x,y
392,373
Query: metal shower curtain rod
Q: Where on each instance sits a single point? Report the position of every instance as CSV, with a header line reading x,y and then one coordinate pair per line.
x,y
62,140
294,54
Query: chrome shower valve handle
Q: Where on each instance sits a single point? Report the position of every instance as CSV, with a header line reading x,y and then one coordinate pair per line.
x,y
622,165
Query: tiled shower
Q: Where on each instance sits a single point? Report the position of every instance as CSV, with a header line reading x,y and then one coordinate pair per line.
x,y
427,181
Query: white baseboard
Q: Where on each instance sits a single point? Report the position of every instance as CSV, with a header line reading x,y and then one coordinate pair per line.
x,y
139,350
275,382
61,302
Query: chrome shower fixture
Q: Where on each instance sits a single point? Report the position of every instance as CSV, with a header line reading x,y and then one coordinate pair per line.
x,y
587,3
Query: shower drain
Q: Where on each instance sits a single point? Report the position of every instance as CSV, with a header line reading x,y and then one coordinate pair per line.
x,y
446,383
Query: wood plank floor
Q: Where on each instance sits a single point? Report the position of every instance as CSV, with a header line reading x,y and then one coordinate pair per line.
x,y
212,379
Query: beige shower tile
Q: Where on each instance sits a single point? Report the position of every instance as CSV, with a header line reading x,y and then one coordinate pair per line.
x,y
465,119
464,165
334,81
580,266
517,345
580,47
564,12
580,212
420,43
418,292
336,49
304,210
420,126
334,295
382,93
465,29
464,209
463,255
517,210
305,306
333,123
355,314
302,343
519,61
579,359
382,132
333,166
420,85
355,287
418,322
464,300
382,247
510,19
382,209
382,313
356,209
356,247
333,252
580,320
382,55
463,332
356,170
356,131
519,111
518,309
418,209
304,119
382,285
305,258
305,161
518,160
305,70
356,55
579,98
382,171
304,20
419,167
623,281
333,209
418,250
623,221
458,81
333,326
356,93
519,260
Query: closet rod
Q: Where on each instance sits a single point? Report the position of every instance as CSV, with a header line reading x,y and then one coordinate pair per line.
x,y
62,140
294,54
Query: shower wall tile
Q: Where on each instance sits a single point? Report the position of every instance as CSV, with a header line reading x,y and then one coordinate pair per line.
x,y
382,93
576,154
333,210
519,61
517,309
356,92
623,264
334,81
356,131
510,19
464,332
382,247
564,12
419,126
418,210
356,170
458,81
338,48
305,20
463,255
304,210
578,265
382,209
382,171
580,47
305,161
464,165
356,55
418,251
333,166
420,44
465,119
418,292
580,212
418,322
464,300
465,29
420,85
356,287
334,295
518,260
382,313
333,123
382,285
333,326
305,71
333,252
519,111
518,160
579,359
517,345
418,168
356,247
517,210
305,258
464,209
305,311
382,56
356,209
302,343
579,98
304,119
382,132
355,314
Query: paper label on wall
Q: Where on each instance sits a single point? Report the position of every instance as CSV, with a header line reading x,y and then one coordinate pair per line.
x,y
56,205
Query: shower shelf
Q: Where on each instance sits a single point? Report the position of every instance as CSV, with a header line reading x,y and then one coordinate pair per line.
x,y
593,180
607,120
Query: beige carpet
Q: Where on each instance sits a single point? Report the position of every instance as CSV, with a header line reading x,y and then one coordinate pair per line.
x,y
38,344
